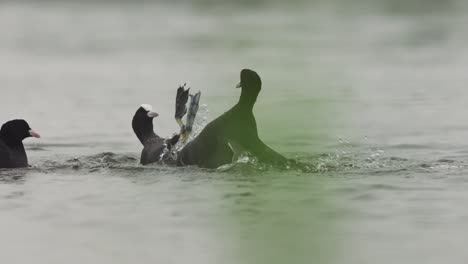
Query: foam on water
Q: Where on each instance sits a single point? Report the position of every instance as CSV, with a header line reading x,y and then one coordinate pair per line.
x,y
372,161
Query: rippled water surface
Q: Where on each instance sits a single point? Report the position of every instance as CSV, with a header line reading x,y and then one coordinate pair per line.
x,y
371,93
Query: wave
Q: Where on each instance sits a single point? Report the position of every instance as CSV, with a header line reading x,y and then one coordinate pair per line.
x,y
347,158
375,163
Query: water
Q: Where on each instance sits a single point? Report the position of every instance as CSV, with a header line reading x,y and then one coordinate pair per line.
x,y
372,93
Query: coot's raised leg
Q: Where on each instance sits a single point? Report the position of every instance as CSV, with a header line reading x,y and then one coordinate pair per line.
x,y
181,106
181,110
192,113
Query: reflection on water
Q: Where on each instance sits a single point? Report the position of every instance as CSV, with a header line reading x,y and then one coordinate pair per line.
x,y
371,92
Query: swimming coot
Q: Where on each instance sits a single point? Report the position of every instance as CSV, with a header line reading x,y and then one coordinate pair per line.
x,y
233,131
156,148
12,134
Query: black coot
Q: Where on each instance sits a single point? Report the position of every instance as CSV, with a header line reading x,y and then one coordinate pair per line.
x,y
235,130
12,134
155,148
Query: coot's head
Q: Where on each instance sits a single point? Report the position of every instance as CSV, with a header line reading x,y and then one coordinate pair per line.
x,y
250,80
145,112
251,85
17,130
142,122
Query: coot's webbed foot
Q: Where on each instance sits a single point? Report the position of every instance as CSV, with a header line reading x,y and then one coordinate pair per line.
x,y
192,113
181,102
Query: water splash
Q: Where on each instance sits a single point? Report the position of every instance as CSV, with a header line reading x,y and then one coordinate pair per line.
x,y
344,158
201,120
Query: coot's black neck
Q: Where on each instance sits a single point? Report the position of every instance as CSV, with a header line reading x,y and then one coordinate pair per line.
x,y
248,98
143,130
11,140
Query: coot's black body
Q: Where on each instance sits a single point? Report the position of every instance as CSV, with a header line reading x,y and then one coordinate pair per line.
x,y
12,152
216,144
155,148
